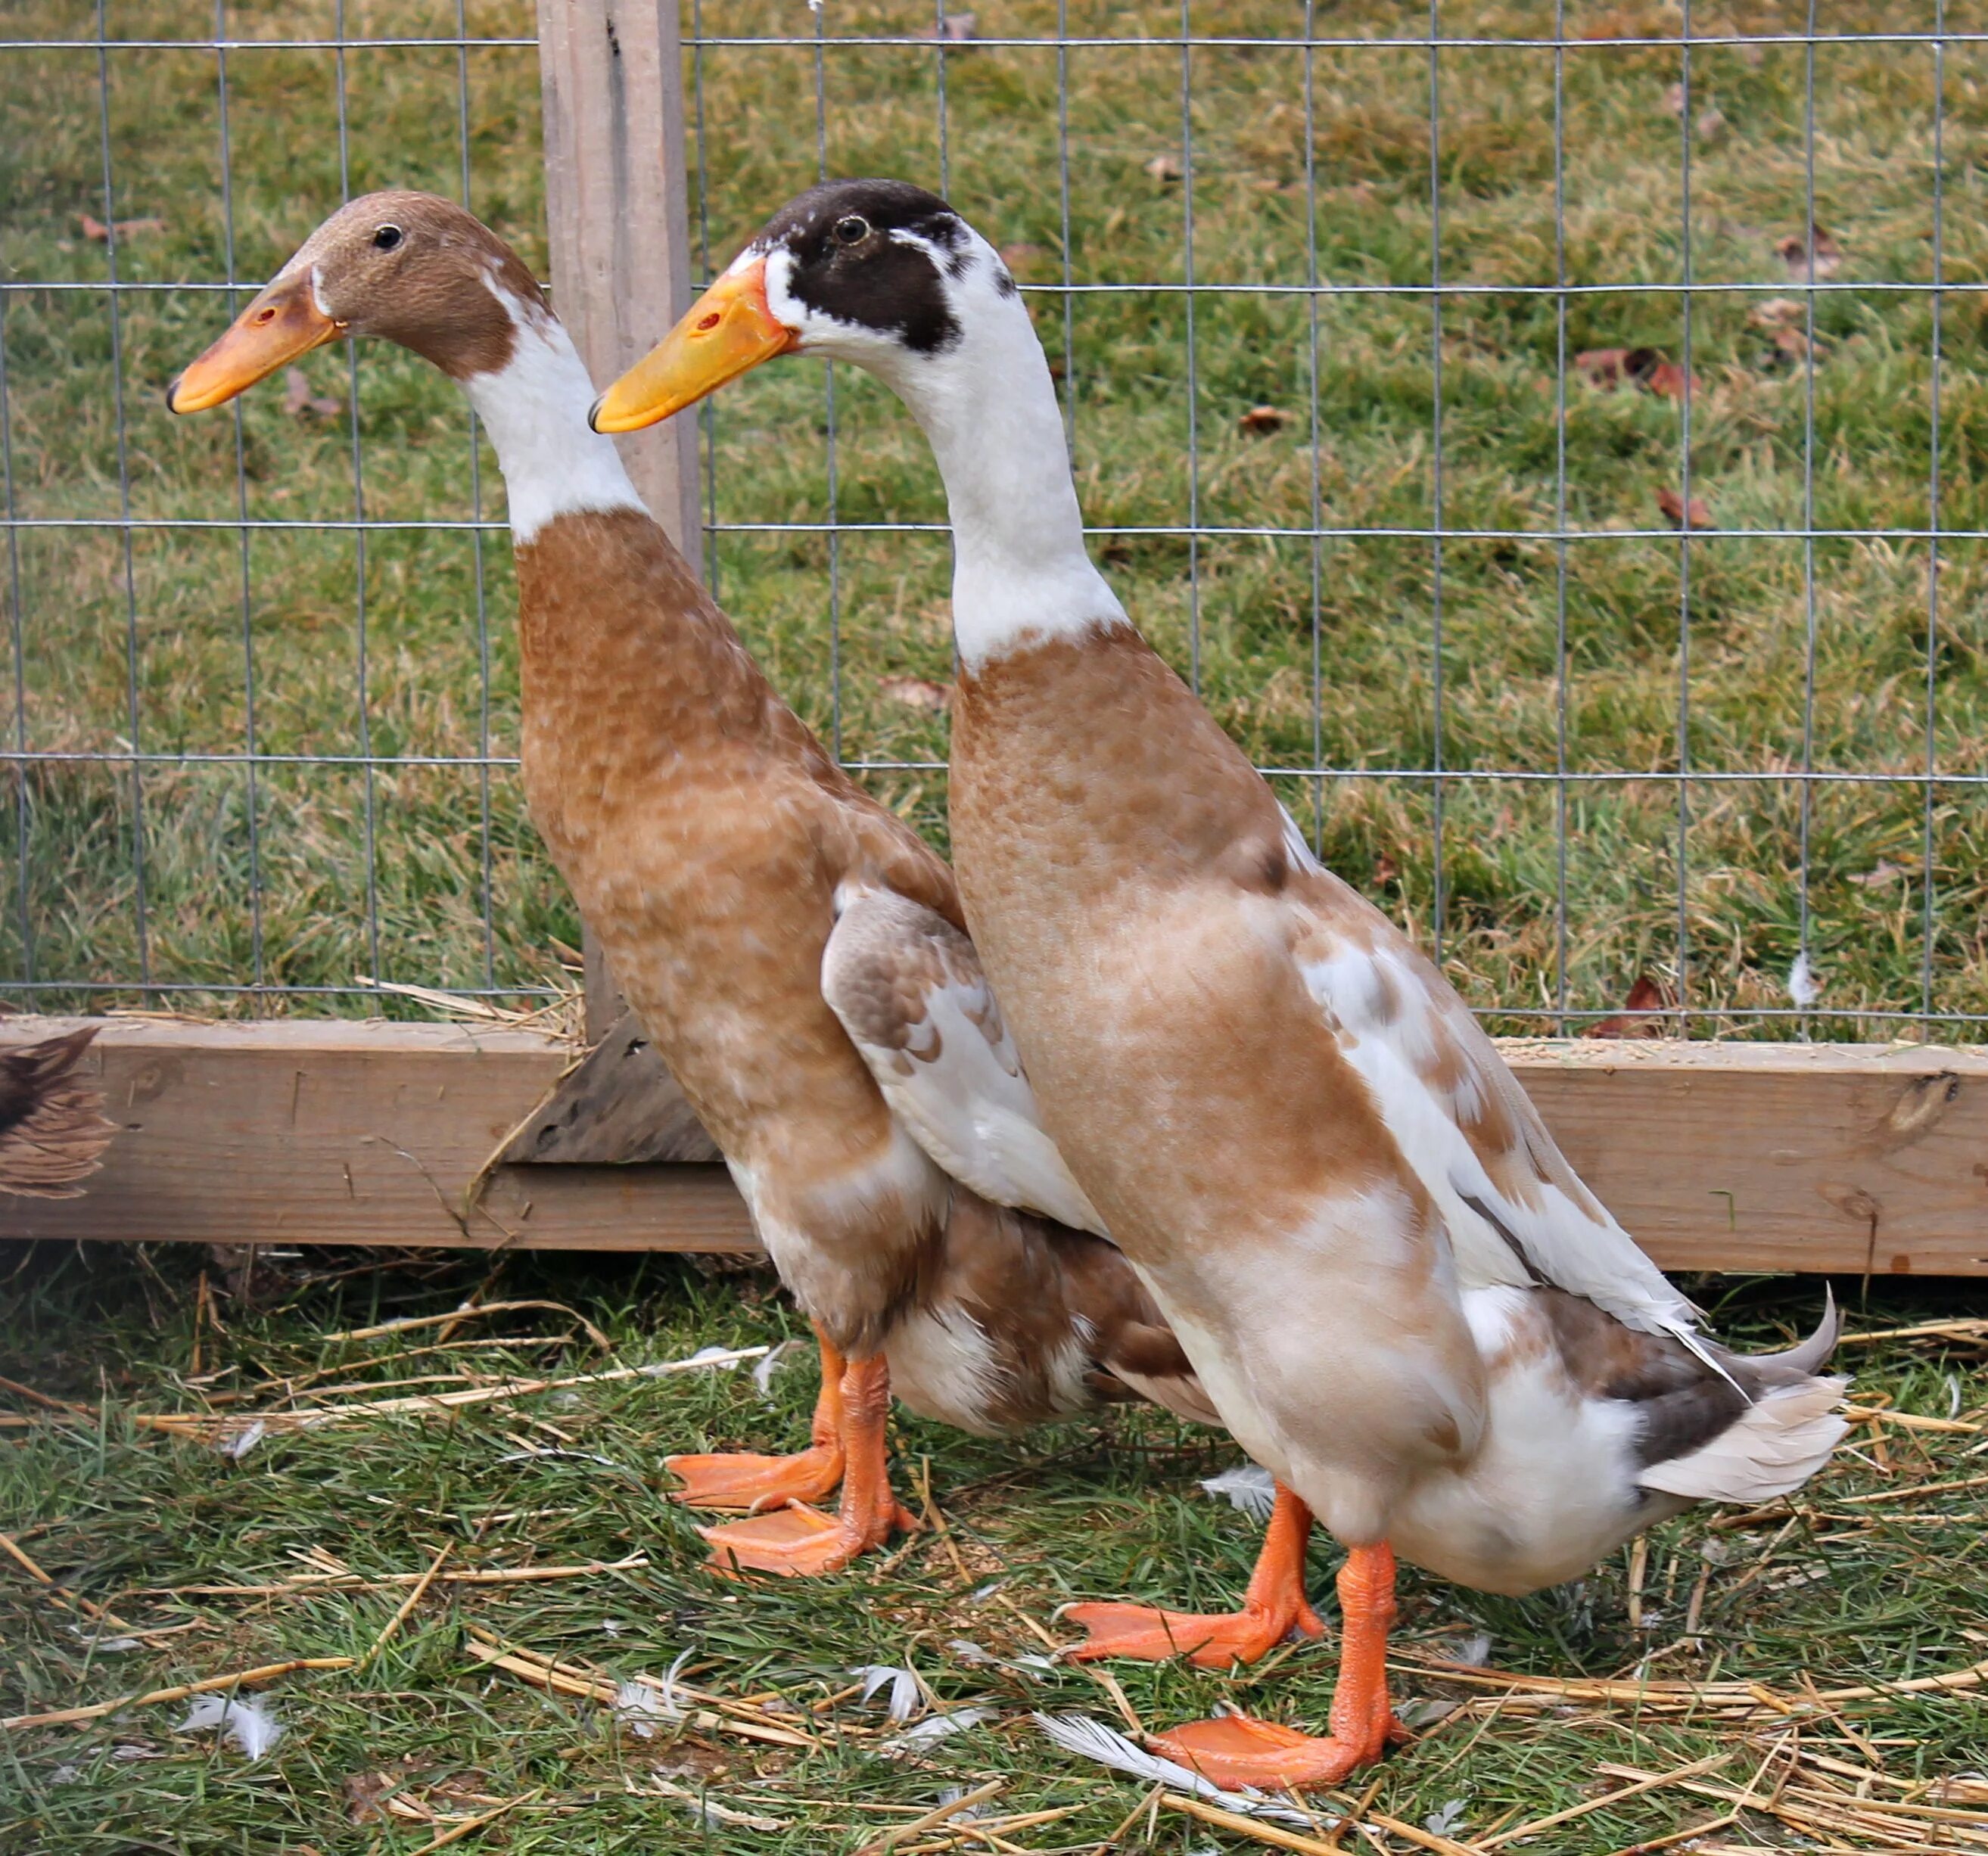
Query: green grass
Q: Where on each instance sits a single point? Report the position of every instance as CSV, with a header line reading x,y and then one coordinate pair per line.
x,y
1843,1594
1253,627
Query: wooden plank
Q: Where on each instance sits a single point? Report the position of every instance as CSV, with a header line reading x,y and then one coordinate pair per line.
x,y
617,214
1820,1158
351,1132
618,1106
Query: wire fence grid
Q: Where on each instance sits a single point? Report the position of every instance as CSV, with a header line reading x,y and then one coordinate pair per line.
x,y
1432,346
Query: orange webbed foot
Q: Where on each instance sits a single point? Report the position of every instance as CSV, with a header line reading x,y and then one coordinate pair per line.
x,y
794,1543
1237,1752
1209,1640
743,1482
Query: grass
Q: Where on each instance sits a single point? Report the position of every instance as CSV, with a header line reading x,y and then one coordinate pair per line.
x,y
1315,656
1839,1590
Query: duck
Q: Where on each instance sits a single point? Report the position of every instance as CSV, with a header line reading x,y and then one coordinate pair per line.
x,y
53,1132
1398,1295
795,952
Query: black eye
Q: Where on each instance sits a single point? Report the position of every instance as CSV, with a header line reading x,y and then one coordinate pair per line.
x,y
851,229
387,237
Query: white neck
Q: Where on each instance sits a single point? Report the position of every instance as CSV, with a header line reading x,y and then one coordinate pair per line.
x,y
1021,575
536,408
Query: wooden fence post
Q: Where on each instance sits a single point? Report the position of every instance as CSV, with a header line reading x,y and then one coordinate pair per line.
x,y
617,212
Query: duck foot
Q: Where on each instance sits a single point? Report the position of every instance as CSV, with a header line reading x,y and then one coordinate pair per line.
x,y
1236,1751
1273,1608
743,1482
740,1482
801,1542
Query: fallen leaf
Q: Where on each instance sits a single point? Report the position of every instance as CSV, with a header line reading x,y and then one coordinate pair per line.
x,y
298,398
917,693
1881,875
1260,420
363,1791
1647,995
1776,311
959,28
97,229
1795,343
1795,252
1163,168
1711,125
1385,869
1673,507
1647,368
1021,257
1673,99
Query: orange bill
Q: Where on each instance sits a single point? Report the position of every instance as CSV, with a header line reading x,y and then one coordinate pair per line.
x,y
729,330
283,323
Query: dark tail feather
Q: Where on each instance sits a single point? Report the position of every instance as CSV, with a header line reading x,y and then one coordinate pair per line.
x,y
53,1132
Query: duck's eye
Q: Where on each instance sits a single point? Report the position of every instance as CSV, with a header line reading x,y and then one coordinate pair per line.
x,y
387,237
851,229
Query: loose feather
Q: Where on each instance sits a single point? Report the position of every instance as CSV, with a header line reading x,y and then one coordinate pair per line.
x,y
248,1721
1249,1487
1089,1739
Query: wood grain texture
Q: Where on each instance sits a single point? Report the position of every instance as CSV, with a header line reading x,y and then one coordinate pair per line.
x,y
618,1106
351,1133
1780,1156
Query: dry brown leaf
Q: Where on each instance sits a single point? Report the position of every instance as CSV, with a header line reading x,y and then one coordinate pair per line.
x,y
1647,368
1882,875
1711,124
916,693
1673,507
298,398
1163,168
959,28
364,1792
97,229
1795,343
1795,252
1259,421
1385,869
1647,995
1776,311
1674,100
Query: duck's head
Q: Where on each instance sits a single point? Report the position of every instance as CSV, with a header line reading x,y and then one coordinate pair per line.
x,y
877,272
409,267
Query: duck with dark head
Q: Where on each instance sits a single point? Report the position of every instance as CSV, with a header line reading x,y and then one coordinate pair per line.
x,y
795,950
1398,1294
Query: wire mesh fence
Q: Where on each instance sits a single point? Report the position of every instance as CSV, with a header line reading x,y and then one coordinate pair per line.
x,y
1545,434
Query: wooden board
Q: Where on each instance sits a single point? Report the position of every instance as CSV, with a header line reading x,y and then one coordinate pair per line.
x,y
352,1132
1773,1157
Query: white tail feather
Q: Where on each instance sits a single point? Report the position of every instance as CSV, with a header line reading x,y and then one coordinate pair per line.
x,y
1771,1449
1089,1739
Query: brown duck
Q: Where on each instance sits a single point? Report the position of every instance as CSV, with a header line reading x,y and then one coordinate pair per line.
x,y
53,1132
795,952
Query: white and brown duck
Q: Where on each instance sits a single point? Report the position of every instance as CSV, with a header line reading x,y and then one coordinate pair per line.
x,y
795,950
1396,1291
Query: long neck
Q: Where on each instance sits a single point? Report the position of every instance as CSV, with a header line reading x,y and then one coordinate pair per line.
x,y
535,407
1021,575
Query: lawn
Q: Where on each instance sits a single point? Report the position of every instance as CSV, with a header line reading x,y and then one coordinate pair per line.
x,y
1746,655
209,1562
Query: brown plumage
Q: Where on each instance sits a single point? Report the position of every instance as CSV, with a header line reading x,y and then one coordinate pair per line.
x,y
53,1132
718,852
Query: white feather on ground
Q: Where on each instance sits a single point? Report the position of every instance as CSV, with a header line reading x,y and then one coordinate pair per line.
x,y
935,1727
247,1720
762,1373
1089,1739
1248,1486
906,1695
1803,988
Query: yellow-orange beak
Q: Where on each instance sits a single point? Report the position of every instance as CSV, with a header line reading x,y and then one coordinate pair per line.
x,y
728,331
281,323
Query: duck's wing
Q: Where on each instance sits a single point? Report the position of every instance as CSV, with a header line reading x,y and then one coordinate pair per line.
x,y
52,1134
1517,1213
909,990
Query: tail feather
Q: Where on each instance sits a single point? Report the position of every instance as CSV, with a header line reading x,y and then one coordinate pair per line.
x,y
52,1134
1770,1449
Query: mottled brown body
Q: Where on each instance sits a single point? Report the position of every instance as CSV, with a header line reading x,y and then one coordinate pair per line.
x,y
704,832
53,1132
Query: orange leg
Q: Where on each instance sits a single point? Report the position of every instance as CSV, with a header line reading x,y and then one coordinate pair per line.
x,y
1273,1608
740,1480
798,1540
1236,1751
